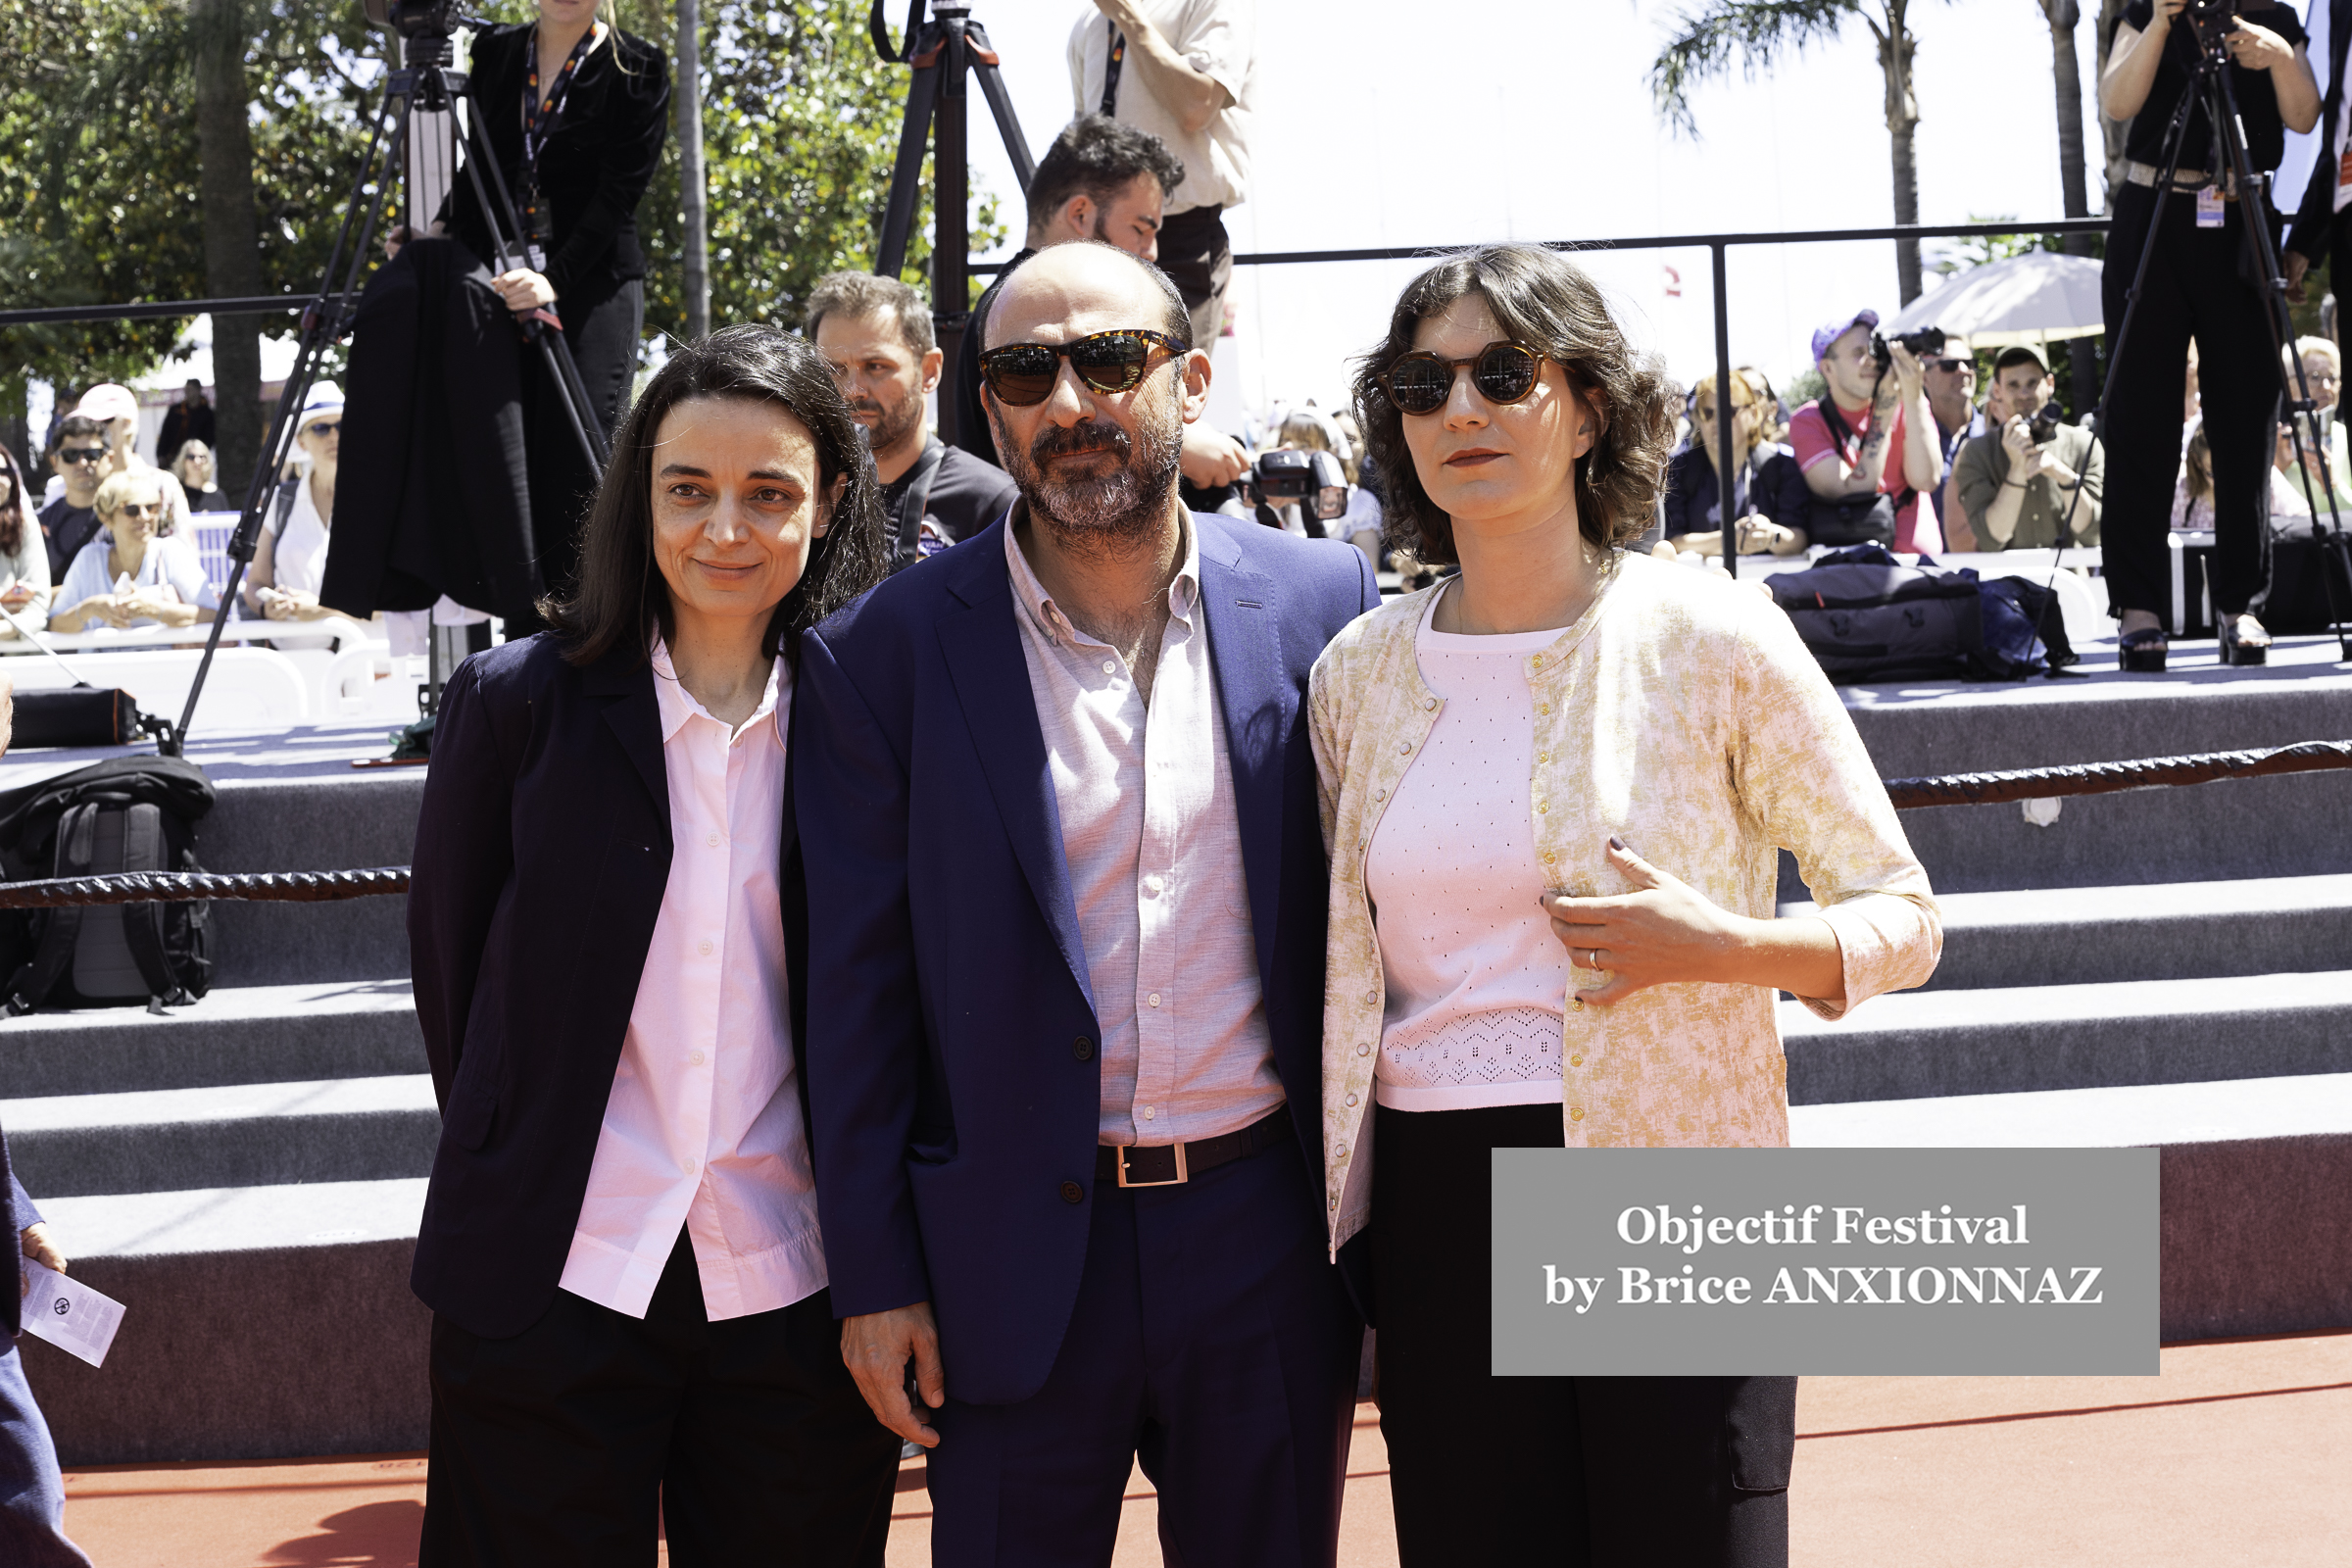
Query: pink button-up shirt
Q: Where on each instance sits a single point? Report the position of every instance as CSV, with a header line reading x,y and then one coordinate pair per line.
x,y
704,1126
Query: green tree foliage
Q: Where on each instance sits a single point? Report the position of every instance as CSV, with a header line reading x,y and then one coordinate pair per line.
x,y
800,125
99,177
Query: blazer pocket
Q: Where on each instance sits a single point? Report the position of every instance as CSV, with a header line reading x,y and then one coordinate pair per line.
x,y
1761,1426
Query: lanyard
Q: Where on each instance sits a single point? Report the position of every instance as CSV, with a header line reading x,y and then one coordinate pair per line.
x,y
539,116
1111,69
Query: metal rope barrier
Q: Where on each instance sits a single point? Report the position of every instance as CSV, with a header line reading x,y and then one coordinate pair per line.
x,y
2106,778
1908,794
183,887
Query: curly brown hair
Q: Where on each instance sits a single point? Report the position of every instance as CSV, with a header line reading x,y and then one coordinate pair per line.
x,y
1546,301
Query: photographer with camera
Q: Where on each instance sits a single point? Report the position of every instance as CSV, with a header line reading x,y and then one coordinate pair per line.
x,y
2016,480
576,111
1868,446
2196,243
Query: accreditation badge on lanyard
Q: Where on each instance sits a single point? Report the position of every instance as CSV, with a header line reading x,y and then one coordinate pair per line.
x,y
539,117
2209,207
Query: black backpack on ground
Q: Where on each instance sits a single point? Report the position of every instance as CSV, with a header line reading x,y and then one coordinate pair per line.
x,y
1869,617
130,813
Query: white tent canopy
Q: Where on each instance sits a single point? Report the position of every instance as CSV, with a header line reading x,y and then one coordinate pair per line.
x,y
2039,298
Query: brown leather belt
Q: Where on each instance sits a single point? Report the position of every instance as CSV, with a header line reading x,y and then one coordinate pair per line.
x,y
1171,1165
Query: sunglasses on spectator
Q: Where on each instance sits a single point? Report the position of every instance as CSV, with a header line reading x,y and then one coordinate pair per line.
x,y
1950,365
323,428
1022,375
136,509
1420,382
80,454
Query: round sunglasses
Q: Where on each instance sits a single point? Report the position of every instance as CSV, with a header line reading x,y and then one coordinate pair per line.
x,y
1022,375
1420,382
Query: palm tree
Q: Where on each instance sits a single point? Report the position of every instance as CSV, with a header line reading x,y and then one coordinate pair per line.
x,y
2064,17
1760,31
218,31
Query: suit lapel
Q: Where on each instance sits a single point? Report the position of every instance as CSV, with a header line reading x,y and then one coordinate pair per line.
x,y
1245,646
982,645
634,715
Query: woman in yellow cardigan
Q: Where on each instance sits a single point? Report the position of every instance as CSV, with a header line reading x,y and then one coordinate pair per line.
x,y
1555,790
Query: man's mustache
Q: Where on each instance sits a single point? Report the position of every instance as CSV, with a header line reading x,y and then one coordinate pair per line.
x,y
1091,435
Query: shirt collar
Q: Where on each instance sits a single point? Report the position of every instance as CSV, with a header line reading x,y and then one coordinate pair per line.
x,y
1184,591
678,705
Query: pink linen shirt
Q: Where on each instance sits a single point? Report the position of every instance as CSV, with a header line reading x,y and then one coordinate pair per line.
x,y
1153,839
704,1125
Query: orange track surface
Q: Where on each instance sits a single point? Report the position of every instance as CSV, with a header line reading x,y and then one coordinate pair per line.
x,y
2240,1453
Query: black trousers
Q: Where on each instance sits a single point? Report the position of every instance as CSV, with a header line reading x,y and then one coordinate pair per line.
x,y
1607,1472
558,1445
2197,287
1196,253
603,330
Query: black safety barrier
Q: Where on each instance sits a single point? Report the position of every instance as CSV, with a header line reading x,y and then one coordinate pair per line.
x,y
1908,794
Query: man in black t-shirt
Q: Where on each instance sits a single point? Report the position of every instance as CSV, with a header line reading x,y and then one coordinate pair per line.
x,y
2198,254
877,335
71,520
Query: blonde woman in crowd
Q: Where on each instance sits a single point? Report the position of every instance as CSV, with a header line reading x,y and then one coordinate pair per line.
x,y
1556,789
131,575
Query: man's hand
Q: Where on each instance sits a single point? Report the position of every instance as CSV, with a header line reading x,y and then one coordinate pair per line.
x,y
1909,379
1210,458
42,1250
2297,266
877,1347
524,289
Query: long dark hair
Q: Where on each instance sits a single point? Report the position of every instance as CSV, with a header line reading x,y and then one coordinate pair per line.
x,y
17,516
1545,301
621,598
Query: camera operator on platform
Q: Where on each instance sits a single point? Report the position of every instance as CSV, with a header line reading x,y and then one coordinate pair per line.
x,y
2195,287
2015,482
576,110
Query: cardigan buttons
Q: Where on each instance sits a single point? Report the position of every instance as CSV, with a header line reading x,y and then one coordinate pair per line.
x,y
1351,1099
1404,747
1361,1051
1431,704
1576,1114
1371,997
1380,795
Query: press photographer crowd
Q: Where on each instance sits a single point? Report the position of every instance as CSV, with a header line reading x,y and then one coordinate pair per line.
x,y
935,854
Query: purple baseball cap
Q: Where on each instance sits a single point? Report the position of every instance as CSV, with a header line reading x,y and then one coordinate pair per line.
x,y
1833,332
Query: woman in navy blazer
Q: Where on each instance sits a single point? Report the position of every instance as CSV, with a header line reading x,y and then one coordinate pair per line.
x,y
561,868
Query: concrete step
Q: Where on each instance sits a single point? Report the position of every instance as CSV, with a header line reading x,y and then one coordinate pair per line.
x,y
2254,1177
260,1322
2162,931
240,1135
2130,1116
234,1035
2006,1039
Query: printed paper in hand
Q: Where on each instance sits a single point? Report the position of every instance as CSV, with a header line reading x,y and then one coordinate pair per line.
x,y
68,1314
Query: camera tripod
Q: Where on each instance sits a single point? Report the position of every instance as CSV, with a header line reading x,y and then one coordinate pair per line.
x,y
941,51
425,85
2210,89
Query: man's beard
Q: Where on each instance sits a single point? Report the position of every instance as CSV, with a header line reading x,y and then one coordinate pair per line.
x,y
891,425
1105,509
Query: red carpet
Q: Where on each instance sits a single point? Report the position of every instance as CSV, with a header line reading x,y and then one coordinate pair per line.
x,y
2240,1453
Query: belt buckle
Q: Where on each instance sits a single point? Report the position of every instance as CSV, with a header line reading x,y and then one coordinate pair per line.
x,y
1182,1175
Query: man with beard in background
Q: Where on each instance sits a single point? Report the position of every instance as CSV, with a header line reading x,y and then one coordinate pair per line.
x,y
1063,1070
877,335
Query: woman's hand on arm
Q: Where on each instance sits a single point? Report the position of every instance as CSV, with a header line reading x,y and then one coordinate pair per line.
x,y
1666,931
524,289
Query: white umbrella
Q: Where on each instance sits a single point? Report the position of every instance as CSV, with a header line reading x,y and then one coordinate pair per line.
x,y
2040,296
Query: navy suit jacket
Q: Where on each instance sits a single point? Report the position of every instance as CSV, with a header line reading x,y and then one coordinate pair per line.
x,y
955,1087
543,851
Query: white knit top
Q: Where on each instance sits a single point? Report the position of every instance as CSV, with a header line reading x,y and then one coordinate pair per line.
x,y
1476,979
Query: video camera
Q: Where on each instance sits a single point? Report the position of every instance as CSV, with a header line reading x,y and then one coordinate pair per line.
x,y
1313,480
1927,340
417,18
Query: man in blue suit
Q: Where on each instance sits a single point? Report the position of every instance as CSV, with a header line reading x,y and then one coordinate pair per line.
x,y
1064,1026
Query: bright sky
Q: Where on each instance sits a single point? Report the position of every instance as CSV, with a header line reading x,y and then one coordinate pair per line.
x,y
1532,119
